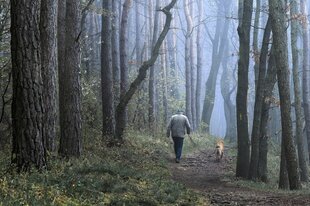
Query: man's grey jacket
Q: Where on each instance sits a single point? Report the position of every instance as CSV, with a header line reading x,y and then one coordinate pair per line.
x,y
177,126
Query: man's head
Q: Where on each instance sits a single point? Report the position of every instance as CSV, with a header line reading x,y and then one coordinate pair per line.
x,y
180,111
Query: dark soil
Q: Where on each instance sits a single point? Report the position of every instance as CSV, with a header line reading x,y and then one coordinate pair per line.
x,y
202,173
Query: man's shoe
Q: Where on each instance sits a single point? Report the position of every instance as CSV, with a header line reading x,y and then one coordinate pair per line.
x,y
177,160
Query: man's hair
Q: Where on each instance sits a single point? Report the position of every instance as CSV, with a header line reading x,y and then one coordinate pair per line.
x,y
179,111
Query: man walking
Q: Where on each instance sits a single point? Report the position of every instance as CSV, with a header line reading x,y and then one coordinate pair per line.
x,y
177,126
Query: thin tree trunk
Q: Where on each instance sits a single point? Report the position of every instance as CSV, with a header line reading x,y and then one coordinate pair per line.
x,y
255,41
306,72
122,118
107,72
218,46
199,62
172,48
297,90
253,171
115,52
244,28
229,108
164,84
120,125
280,44
193,70
138,35
270,81
188,68
27,101
69,82
152,114
48,26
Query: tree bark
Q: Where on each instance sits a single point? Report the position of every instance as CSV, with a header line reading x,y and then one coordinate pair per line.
x,y
152,114
199,63
120,125
277,16
115,52
69,83
107,72
229,108
255,42
138,35
27,102
61,51
253,171
48,26
270,81
283,179
244,28
306,72
297,90
164,85
188,68
122,117
193,70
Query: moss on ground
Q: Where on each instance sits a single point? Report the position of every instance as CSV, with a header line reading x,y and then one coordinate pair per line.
x,y
133,174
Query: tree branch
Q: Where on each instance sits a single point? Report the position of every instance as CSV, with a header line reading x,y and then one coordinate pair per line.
x,y
142,71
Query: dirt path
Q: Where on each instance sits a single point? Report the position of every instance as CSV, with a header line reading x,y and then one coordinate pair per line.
x,y
202,173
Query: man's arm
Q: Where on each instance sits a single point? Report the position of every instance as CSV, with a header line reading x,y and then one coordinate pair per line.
x,y
188,126
169,128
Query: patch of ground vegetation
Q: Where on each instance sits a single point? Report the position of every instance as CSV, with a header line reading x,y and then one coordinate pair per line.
x,y
133,174
273,166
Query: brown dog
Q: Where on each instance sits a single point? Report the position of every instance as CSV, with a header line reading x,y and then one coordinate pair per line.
x,y
219,150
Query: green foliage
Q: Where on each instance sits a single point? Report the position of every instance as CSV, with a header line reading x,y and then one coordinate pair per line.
x,y
134,174
91,104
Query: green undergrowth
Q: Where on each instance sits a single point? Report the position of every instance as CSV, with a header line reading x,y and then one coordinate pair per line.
x,y
133,174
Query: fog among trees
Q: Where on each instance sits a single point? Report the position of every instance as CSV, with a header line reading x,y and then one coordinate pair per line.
x,y
239,70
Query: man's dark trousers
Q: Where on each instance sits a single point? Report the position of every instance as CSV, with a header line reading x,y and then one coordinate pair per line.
x,y
178,145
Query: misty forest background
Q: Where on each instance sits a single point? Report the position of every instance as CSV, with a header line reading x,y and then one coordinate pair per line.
x,y
94,80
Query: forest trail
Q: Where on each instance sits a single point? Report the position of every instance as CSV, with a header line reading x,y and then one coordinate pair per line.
x,y
202,173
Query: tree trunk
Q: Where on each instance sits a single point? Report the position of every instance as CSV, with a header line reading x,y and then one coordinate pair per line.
x,y
270,81
120,125
277,16
193,70
69,83
172,48
229,108
306,72
218,46
152,113
61,51
115,52
244,28
188,68
283,179
199,62
122,118
297,90
107,72
255,42
253,172
164,84
48,20
138,35
27,102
